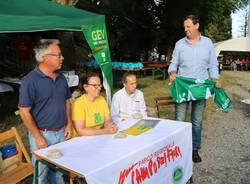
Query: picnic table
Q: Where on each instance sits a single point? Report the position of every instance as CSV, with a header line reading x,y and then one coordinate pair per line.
x,y
155,67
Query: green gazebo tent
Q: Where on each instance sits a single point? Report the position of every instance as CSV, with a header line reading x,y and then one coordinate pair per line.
x,y
43,15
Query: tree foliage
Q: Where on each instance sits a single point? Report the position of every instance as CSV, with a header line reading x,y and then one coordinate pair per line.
x,y
135,26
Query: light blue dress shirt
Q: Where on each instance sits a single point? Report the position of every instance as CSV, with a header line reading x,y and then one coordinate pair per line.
x,y
195,61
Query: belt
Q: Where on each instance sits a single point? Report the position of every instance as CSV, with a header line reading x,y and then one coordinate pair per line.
x,y
50,129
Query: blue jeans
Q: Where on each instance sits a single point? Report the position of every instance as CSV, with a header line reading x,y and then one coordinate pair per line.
x,y
45,174
198,108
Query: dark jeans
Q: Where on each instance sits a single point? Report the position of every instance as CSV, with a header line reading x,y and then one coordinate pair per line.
x,y
198,108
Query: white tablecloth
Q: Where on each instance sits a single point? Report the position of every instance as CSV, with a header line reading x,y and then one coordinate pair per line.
x,y
160,155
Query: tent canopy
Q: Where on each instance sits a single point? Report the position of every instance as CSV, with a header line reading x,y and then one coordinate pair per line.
x,y
241,44
42,15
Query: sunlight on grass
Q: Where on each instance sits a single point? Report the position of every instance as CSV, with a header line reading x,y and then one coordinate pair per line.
x,y
153,88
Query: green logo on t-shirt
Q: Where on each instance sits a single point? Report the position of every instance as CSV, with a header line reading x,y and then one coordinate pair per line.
x,y
97,117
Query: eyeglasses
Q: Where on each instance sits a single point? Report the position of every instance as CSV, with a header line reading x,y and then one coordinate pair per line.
x,y
96,85
57,55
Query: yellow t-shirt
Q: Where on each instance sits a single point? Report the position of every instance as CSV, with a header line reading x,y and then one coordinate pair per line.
x,y
92,113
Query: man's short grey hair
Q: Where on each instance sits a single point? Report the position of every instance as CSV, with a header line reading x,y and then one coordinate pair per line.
x,y
42,48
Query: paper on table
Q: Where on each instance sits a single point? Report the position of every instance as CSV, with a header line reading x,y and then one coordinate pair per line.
x,y
141,126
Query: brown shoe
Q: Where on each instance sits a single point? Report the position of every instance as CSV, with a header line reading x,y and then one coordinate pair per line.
x,y
196,156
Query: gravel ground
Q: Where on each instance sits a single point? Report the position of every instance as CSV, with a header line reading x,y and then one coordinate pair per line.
x,y
226,139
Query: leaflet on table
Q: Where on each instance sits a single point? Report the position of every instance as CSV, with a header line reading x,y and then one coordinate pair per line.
x,y
141,126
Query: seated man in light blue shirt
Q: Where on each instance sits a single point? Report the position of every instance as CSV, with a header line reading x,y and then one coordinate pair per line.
x,y
193,57
128,102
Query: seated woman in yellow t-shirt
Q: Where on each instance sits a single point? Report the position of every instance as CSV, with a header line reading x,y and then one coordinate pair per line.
x,y
90,112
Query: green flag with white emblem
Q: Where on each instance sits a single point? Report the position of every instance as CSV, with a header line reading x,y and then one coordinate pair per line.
x,y
96,36
187,89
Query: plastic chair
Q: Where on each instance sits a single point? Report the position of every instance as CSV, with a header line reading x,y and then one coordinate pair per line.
x,y
23,166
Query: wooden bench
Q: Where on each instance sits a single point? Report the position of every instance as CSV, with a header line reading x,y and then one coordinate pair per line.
x,y
22,168
162,101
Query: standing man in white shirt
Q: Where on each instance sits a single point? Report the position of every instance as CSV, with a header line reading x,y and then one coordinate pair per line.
x,y
128,102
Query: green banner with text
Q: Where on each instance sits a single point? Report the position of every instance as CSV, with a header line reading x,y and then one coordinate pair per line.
x,y
96,36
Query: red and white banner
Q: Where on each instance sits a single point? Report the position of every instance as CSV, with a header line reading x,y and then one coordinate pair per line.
x,y
167,159
162,155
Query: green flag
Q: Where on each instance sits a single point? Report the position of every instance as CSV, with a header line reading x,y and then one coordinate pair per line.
x,y
187,89
96,36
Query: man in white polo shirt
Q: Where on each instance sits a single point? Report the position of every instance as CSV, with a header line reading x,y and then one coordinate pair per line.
x,y
128,102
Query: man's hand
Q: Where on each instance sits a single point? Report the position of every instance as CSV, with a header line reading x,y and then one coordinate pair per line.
x,y
68,131
172,76
218,83
137,116
29,122
40,142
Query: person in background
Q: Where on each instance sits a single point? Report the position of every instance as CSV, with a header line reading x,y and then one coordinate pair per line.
x,y
193,55
220,66
90,112
44,104
237,62
244,64
128,102
247,64
23,46
234,66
